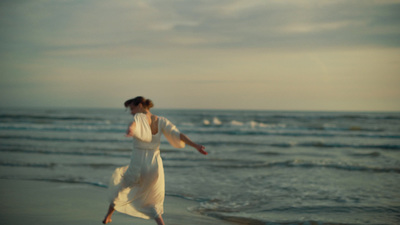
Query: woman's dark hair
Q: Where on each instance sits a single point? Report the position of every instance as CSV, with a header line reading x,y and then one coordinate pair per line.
x,y
146,103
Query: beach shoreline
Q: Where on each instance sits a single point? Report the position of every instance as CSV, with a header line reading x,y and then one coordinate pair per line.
x,y
263,167
48,203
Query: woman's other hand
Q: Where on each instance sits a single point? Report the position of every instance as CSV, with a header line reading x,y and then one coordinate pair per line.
x,y
201,148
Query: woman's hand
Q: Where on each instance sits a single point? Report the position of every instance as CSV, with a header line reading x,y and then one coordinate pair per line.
x,y
201,148
130,130
187,140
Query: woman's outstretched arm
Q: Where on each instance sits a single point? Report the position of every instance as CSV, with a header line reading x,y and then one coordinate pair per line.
x,y
198,147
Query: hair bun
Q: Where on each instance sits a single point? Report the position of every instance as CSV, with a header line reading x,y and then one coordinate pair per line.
x,y
148,103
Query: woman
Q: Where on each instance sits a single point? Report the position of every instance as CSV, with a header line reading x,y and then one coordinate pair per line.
x,y
138,189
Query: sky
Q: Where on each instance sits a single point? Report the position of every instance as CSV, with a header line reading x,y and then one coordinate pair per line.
x,y
341,55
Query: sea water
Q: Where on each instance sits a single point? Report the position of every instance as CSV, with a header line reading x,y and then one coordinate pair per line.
x,y
263,167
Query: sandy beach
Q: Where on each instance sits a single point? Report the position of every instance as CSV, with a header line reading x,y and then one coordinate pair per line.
x,y
49,203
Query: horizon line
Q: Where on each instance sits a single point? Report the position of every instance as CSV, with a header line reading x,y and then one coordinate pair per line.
x,y
201,109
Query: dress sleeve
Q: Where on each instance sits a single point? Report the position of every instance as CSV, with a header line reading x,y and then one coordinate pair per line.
x,y
171,133
142,128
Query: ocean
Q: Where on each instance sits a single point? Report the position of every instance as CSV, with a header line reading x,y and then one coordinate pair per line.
x,y
263,167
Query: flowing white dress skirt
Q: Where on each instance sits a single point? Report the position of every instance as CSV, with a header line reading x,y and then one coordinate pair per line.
x,y
139,188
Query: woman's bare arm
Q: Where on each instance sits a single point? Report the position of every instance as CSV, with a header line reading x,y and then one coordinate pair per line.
x,y
198,147
131,130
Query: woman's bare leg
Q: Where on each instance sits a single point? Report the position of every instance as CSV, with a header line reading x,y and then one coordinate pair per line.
x,y
160,220
110,211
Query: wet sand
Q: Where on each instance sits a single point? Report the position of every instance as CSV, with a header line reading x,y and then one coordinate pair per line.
x,y
49,203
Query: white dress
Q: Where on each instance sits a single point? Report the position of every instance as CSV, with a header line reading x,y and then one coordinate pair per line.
x,y
139,188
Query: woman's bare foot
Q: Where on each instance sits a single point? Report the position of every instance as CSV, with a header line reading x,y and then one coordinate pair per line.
x,y
160,220
107,220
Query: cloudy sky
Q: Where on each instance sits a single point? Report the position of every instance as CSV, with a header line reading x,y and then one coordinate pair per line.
x,y
209,54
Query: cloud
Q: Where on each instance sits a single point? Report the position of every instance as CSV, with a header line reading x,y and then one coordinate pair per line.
x,y
224,47
59,25
315,27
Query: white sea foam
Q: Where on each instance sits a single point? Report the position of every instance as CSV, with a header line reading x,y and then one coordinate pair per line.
x,y
216,121
206,122
236,123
